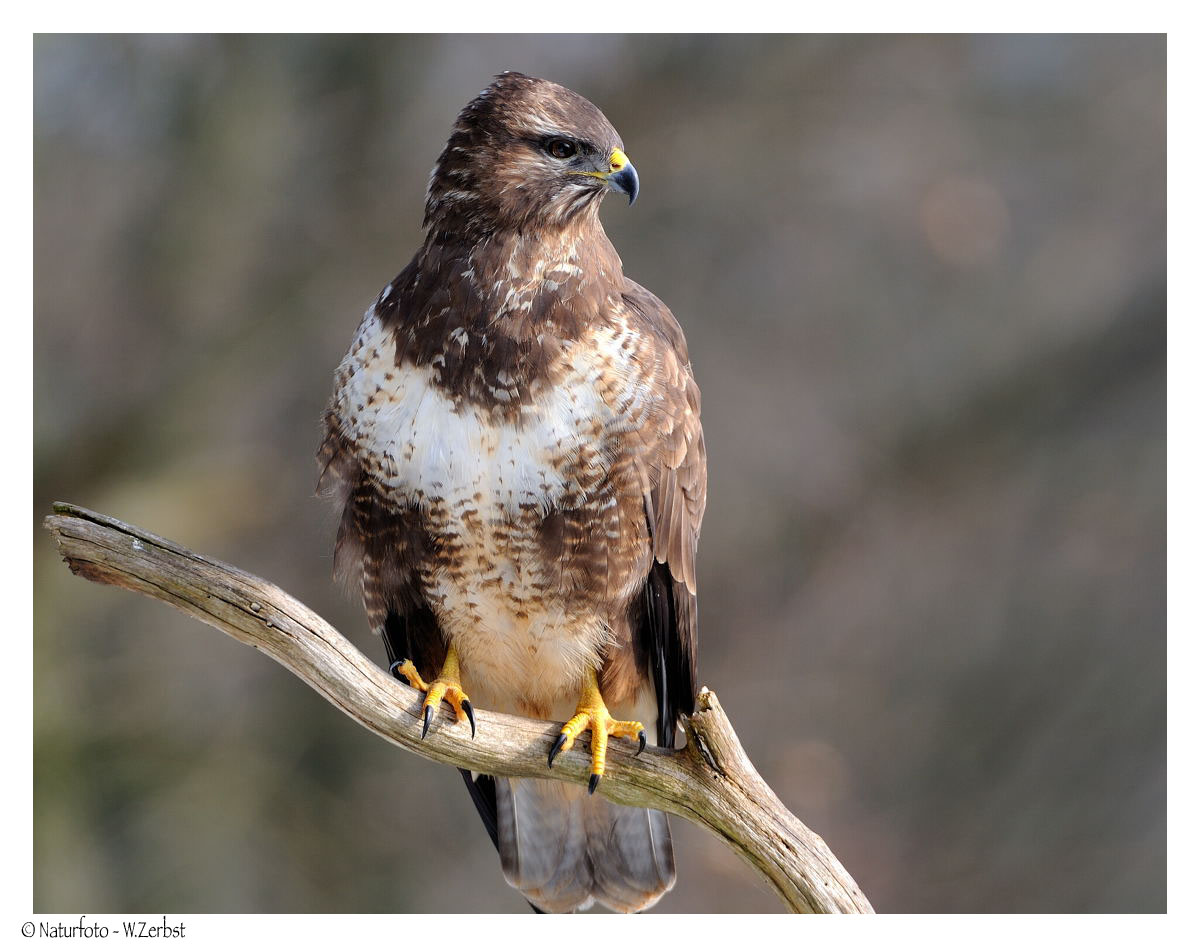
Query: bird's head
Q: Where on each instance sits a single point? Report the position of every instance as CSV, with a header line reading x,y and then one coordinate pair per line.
x,y
527,152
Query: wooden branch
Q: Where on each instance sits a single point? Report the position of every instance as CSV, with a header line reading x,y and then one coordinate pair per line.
x,y
711,782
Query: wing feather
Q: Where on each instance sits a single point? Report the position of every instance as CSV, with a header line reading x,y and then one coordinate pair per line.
x,y
671,456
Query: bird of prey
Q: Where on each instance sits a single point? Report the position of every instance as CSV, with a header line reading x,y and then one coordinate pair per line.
x,y
515,435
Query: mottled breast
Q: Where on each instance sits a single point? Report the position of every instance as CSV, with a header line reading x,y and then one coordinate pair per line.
x,y
424,443
536,519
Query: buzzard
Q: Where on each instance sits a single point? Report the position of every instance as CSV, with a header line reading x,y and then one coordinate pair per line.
x,y
515,437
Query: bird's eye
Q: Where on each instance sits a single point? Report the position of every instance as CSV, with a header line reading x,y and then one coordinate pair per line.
x,y
560,148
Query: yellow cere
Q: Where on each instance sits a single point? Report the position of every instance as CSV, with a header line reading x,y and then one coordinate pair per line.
x,y
615,163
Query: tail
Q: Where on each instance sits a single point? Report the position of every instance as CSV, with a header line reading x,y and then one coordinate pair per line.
x,y
564,849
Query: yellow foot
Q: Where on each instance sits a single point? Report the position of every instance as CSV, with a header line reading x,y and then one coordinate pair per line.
x,y
446,687
592,714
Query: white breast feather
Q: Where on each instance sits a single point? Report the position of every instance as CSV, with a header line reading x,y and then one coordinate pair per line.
x,y
431,453
434,451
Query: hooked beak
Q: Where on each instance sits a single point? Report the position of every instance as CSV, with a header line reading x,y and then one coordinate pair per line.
x,y
622,176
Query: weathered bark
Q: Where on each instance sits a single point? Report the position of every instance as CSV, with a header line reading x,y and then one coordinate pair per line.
x,y
711,782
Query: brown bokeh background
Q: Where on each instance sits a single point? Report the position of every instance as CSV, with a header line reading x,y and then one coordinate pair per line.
x,y
923,281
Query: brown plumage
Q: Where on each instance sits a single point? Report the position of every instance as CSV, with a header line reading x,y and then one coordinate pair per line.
x,y
515,434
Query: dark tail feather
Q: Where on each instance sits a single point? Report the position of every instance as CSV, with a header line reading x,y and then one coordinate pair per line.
x,y
483,793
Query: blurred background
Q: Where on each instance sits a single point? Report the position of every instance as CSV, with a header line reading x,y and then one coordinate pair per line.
x,y
923,282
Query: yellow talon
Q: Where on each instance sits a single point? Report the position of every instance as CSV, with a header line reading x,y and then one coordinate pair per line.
x,y
592,714
446,687
410,673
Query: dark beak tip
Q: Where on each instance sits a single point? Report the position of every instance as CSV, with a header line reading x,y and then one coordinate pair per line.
x,y
626,181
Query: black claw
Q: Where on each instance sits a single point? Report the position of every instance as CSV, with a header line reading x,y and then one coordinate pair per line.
x,y
469,711
428,717
641,742
593,783
394,670
556,749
